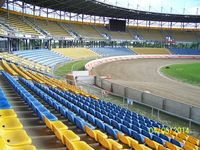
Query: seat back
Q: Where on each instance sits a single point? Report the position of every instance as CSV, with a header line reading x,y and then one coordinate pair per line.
x,y
90,132
104,142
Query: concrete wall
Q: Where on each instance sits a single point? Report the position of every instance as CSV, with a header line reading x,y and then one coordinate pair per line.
x,y
171,106
133,94
118,89
152,100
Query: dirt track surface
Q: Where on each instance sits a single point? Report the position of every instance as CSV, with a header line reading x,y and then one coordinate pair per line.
x,y
144,75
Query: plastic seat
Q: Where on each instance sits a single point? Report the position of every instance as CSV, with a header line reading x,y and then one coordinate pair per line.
x,y
4,146
94,133
111,131
189,145
109,143
116,125
160,147
138,137
7,113
193,140
57,123
172,146
15,137
151,144
126,139
91,119
173,141
10,123
77,145
100,124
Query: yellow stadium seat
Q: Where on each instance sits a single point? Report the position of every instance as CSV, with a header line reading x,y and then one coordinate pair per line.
x,y
58,125
10,123
66,134
172,146
109,143
55,124
7,113
173,133
94,133
4,146
183,136
151,144
15,137
160,147
78,145
191,146
179,139
193,140
126,139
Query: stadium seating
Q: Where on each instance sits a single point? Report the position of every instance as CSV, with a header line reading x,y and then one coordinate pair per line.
x,y
179,51
183,36
76,53
44,57
108,51
11,128
85,31
53,28
25,62
18,24
108,117
148,34
148,51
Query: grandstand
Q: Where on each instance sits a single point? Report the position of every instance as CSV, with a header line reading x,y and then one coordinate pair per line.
x,y
18,24
76,53
41,111
144,51
44,57
108,51
86,114
180,51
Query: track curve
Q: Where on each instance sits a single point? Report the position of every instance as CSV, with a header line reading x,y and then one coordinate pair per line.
x,y
144,75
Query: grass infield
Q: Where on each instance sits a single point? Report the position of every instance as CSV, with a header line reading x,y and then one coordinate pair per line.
x,y
189,73
71,66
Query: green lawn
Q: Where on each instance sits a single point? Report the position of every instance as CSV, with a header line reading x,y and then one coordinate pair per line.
x,y
67,68
189,73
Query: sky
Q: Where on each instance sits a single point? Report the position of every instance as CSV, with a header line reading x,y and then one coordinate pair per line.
x,y
176,6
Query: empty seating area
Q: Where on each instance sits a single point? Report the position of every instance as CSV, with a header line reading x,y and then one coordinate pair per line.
x,y
109,51
44,57
53,28
179,51
12,135
76,53
184,36
86,31
17,23
25,62
150,34
149,51
81,121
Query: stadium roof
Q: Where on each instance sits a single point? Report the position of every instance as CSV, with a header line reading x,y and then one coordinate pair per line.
x,y
96,8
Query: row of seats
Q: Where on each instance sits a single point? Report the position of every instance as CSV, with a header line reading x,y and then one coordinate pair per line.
x,y
61,131
141,121
76,53
160,138
148,51
24,62
11,127
109,51
86,116
44,57
74,118
57,28
70,138
180,51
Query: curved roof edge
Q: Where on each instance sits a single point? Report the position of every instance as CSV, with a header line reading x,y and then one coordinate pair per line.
x,y
96,8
